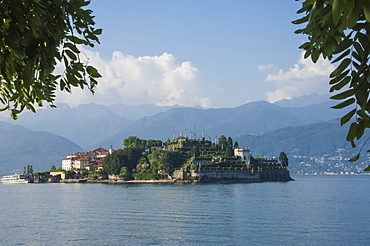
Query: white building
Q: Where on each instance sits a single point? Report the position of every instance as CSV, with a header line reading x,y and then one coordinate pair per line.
x,y
81,160
67,164
245,154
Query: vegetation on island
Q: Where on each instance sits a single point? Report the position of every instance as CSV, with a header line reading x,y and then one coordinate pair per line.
x,y
153,159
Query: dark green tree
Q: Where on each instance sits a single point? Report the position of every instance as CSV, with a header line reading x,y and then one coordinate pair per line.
x,y
222,142
114,162
53,168
229,151
161,160
133,142
128,157
149,143
35,35
236,145
28,170
194,151
230,142
283,159
132,157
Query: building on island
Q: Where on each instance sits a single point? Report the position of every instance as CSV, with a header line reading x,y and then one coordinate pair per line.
x,y
85,160
244,154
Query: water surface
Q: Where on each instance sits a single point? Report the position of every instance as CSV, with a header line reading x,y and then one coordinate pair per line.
x,y
313,210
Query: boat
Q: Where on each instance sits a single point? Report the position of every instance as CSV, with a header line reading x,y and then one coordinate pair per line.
x,y
15,179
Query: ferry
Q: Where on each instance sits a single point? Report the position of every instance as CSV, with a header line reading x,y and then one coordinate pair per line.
x,y
15,179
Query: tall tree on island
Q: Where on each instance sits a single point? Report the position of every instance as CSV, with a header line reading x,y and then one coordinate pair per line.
x,y
229,151
283,160
230,142
222,142
236,145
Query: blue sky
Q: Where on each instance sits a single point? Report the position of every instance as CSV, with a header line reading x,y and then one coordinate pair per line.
x,y
209,53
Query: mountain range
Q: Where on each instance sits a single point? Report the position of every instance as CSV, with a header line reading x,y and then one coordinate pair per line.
x,y
91,125
252,118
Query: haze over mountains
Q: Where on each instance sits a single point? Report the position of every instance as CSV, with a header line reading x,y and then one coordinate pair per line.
x,y
21,147
91,125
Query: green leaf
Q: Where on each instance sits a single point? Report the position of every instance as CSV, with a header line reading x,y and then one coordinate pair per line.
x,y
362,114
14,113
341,56
366,9
344,104
98,31
4,108
301,20
330,45
352,132
359,49
343,65
71,55
352,16
344,44
93,72
76,40
367,169
357,56
343,95
71,47
315,55
347,117
337,10
341,84
339,77
360,129
355,158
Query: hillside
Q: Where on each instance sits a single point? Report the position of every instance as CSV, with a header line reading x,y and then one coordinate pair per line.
x,y
83,125
22,147
303,101
310,140
252,118
315,147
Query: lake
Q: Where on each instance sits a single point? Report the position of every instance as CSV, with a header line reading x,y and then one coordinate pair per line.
x,y
313,210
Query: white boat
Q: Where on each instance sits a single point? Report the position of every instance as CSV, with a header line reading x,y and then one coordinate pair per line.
x,y
15,179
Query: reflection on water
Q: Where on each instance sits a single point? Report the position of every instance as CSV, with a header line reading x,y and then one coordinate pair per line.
x,y
314,210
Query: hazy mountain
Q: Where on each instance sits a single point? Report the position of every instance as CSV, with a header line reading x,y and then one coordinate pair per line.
x,y
302,101
136,112
315,148
21,147
84,125
252,118
92,125
309,140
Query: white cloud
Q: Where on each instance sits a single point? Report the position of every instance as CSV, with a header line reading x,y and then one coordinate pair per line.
x,y
160,80
265,67
305,77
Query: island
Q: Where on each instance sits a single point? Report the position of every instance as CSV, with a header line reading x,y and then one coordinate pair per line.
x,y
184,159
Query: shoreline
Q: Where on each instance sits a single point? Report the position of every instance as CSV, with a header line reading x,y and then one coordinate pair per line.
x,y
166,181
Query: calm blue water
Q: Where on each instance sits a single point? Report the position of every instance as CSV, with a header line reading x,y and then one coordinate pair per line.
x,y
313,210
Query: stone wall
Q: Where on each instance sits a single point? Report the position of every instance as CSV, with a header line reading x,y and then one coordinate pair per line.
x,y
246,175
224,174
276,175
